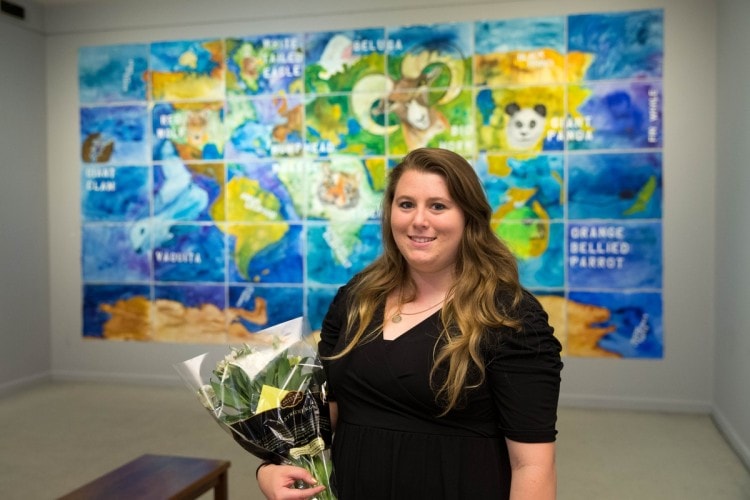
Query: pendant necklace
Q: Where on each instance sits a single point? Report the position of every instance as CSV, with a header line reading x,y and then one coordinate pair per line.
x,y
396,318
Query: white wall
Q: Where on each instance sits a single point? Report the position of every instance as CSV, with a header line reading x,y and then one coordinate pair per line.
x,y
682,381
731,391
24,248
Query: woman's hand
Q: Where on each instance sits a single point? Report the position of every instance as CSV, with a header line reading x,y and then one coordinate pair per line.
x,y
277,482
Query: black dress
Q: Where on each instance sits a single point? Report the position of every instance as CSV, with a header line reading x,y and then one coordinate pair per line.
x,y
390,443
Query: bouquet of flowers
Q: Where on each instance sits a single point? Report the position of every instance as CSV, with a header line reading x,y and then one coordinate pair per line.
x,y
271,398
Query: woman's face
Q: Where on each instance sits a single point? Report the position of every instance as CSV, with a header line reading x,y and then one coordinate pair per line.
x,y
427,224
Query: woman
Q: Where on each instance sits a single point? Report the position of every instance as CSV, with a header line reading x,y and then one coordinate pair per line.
x,y
444,371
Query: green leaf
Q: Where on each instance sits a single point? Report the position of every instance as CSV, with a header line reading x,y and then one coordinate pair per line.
x,y
281,375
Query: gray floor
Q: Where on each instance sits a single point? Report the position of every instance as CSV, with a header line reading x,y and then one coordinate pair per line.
x,y
58,436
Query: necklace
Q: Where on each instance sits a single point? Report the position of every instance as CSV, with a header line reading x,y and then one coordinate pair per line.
x,y
396,318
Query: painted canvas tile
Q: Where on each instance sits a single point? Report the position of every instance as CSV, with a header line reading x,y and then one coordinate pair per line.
x,y
532,187
342,61
438,54
521,120
264,127
345,124
115,135
180,193
428,69
614,115
619,45
191,131
113,73
615,186
112,194
192,253
526,195
265,64
255,192
334,255
614,255
190,313
107,255
187,70
342,190
253,308
117,311
617,324
265,252
447,121
520,51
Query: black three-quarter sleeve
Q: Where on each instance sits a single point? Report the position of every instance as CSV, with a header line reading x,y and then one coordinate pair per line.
x,y
333,324
523,373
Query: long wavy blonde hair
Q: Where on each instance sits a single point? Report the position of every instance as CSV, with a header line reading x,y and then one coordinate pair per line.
x,y
483,296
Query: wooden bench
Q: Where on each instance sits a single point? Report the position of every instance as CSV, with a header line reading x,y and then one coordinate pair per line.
x,y
158,477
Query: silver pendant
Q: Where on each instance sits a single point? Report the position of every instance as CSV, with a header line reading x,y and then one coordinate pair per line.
x,y
396,318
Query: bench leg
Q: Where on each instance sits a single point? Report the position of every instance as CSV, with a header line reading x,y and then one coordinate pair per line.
x,y
221,489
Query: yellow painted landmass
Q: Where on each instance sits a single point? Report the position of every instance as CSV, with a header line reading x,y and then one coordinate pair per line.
x,y
255,220
540,66
164,320
579,327
175,86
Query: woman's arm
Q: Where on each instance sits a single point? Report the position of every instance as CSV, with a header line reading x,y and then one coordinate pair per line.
x,y
333,410
534,475
524,377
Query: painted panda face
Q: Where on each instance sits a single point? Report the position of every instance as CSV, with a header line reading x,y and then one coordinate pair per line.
x,y
525,127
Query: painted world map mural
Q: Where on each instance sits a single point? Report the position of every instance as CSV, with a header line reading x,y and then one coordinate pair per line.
x,y
230,184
